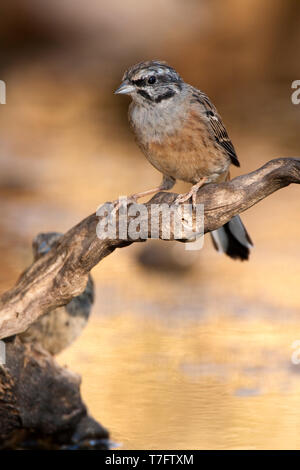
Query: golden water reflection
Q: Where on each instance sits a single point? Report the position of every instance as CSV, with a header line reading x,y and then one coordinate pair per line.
x,y
226,383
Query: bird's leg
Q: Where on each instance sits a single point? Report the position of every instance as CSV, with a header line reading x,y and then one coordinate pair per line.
x,y
136,196
191,194
167,183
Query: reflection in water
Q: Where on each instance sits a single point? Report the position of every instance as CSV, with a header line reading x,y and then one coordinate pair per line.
x,y
223,383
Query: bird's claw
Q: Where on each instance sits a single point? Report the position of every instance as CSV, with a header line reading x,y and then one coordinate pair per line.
x,y
122,202
181,199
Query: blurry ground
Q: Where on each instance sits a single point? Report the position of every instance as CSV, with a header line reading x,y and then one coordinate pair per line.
x,y
199,358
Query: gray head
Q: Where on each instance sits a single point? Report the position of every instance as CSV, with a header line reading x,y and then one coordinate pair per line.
x,y
150,82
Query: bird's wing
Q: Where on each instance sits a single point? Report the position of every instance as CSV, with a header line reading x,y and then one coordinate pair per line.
x,y
216,125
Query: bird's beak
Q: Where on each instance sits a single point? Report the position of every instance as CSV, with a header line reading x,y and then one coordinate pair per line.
x,y
124,89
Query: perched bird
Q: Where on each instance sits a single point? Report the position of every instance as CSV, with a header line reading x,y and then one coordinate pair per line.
x,y
182,135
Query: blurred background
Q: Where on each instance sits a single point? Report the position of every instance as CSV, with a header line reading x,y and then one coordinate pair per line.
x,y
184,350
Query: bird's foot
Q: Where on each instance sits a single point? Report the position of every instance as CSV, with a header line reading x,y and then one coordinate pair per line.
x,y
181,198
124,201
133,199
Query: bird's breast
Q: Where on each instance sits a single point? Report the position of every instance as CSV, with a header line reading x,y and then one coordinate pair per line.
x,y
179,146
154,123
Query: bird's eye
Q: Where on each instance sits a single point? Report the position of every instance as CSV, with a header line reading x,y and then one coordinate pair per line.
x,y
151,80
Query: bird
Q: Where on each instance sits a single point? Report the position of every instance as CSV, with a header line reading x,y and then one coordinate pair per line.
x,y
182,135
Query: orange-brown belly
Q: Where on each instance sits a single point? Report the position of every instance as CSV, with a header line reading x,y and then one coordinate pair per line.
x,y
189,155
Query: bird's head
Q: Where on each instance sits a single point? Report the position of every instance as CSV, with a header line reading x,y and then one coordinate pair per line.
x,y
151,82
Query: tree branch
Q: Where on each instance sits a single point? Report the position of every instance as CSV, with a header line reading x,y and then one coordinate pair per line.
x,y
58,276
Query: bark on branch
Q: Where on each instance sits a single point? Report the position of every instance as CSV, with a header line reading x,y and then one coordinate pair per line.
x,y
62,274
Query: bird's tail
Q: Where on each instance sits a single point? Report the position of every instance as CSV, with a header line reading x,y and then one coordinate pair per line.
x,y
233,239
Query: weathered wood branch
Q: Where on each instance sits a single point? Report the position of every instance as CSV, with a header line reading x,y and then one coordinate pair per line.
x,y
62,274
